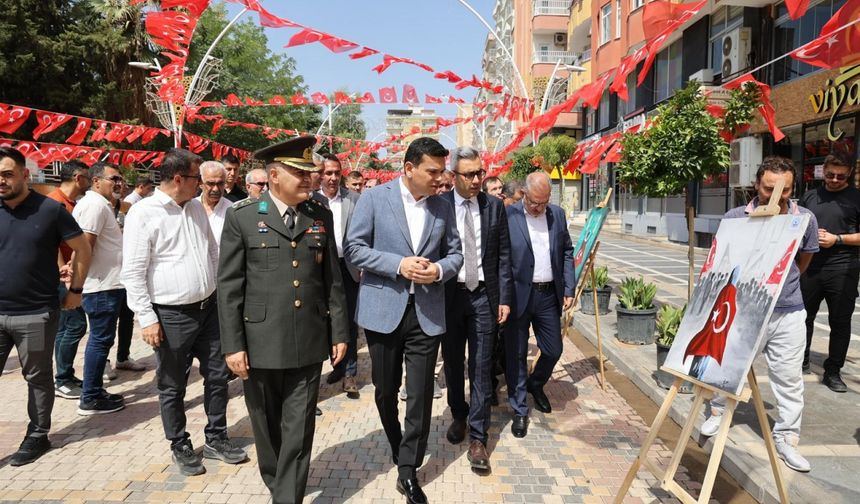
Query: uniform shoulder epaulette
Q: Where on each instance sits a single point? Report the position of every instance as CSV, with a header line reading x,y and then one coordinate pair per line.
x,y
243,203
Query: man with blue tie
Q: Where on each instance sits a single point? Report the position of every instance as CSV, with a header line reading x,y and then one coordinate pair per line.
x,y
404,240
478,300
542,261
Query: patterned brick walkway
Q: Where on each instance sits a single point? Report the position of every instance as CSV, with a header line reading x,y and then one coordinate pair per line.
x,y
579,453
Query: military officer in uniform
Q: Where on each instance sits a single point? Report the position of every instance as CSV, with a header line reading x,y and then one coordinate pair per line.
x,y
283,311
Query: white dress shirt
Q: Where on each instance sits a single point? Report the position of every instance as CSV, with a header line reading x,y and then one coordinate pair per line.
x,y
460,209
335,205
539,236
416,218
216,218
94,214
170,255
133,197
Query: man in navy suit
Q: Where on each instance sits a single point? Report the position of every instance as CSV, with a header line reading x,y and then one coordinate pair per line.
x,y
404,240
542,259
478,301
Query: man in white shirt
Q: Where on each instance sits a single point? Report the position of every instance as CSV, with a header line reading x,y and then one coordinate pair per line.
x,y
341,201
169,260
212,196
542,262
256,182
103,290
142,188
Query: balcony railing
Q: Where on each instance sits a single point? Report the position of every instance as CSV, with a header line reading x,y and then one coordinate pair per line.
x,y
552,7
566,57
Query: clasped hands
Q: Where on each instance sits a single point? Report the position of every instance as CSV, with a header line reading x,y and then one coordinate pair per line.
x,y
419,270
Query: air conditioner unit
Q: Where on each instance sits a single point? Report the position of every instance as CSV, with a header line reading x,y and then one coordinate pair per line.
x,y
745,155
736,48
704,76
560,39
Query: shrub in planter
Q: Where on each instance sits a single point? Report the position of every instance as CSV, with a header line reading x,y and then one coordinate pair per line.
x,y
636,311
668,320
604,292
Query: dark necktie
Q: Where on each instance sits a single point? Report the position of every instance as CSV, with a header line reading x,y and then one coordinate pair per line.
x,y
470,248
290,219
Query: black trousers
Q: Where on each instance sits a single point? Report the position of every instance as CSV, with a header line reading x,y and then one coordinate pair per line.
x,y
387,353
190,333
281,405
839,289
350,288
470,320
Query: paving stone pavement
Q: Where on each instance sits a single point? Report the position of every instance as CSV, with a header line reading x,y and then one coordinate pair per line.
x,y
579,453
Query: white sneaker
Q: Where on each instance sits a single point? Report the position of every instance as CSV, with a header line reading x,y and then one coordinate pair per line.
x,y
711,426
130,365
110,372
787,451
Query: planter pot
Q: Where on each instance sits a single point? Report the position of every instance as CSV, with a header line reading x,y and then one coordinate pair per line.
x,y
586,301
636,327
665,379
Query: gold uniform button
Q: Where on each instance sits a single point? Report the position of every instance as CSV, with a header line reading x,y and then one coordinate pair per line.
x,y
263,245
296,283
246,319
295,264
298,303
294,244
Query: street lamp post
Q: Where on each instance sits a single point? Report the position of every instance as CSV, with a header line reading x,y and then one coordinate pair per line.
x,y
551,82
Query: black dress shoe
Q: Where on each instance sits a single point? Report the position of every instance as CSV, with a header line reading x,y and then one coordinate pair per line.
x,y
456,432
541,402
494,399
318,412
412,491
520,426
335,376
834,382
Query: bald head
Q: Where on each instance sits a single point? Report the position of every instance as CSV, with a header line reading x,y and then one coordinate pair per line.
x,y
537,191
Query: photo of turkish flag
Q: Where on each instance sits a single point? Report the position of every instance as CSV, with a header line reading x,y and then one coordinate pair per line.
x,y
834,48
387,95
710,341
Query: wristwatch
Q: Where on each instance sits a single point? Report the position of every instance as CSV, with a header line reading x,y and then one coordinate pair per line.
x,y
839,239
76,290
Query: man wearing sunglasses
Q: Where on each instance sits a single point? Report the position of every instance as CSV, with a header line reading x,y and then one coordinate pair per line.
x,y
256,182
833,274
103,291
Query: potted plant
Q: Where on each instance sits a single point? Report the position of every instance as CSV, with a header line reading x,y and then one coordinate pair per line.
x,y
668,321
636,311
604,292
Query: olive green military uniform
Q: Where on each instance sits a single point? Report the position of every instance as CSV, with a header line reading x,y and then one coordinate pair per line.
x,y
281,300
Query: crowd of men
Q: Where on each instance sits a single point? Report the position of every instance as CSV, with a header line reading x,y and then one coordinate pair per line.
x,y
266,281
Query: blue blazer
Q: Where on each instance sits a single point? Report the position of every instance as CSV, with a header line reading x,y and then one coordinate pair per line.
x,y
378,239
523,261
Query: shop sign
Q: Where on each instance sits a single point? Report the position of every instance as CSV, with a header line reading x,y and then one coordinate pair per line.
x,y
836,94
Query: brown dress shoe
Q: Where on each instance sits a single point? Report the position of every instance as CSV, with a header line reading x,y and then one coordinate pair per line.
x,y
478,456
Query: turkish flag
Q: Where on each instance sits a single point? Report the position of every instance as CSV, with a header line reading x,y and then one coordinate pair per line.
x,y
387,95
320,98
431,99
661,15
448,74
766,108
342,98
595,155
268,19
337,45
151,133
13,117
277,100
628,64
306,36
409,94
834,47
710,341
366,98
613,155
99,133
195,7
252,102
299,99
233,101
48,122
796,8
363,53
653,48
136,133
576,158
80,132
118,132
453,99
783,265
388,59
592,92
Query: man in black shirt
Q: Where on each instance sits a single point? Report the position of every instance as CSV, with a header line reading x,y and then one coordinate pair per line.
x,y
834,271
31,229
233,187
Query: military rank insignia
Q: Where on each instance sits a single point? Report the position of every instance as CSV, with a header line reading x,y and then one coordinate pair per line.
x,y
317,228
263,207
262,227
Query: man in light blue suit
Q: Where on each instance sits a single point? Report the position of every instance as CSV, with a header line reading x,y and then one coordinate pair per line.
x,y
542,261
404,240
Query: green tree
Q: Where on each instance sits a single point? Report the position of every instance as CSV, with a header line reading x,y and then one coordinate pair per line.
x,y
249,69
553,151
523,164
375,164
683,145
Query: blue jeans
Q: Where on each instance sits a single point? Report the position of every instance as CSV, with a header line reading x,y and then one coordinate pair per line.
x,y
71,329
103,311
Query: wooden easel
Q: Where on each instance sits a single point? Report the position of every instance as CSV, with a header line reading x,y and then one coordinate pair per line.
x,y
705,391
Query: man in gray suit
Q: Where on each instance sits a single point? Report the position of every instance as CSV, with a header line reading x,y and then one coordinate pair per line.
x,y
341,201
404,239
